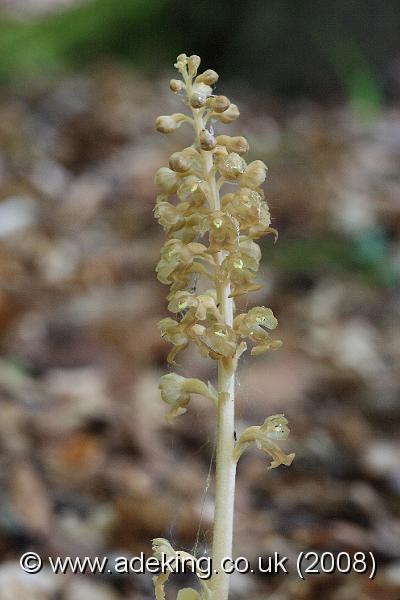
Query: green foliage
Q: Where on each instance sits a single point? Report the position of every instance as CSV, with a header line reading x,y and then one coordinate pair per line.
x,y
120,29
352,69
289,48
366,257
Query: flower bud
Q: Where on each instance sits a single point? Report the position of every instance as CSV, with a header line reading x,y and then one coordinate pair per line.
x,y
167,180
181,62
166,124
207,140
197,100
209,77
176,85
169,123
230,114
200,95
254,175
237,144
193,64
232,166
179,163
220,104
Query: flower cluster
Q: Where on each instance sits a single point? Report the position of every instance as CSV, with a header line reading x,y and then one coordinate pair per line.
x,y
210,233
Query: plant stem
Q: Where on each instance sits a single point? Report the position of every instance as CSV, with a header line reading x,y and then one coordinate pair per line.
x,y
225,473
225,482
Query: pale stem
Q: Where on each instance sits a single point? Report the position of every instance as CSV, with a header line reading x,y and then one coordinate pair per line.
x,y
225,473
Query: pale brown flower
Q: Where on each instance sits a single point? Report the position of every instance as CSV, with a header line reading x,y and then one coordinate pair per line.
x,y
241,268
192,187
251,325
223,232
167,179
254,175
176,334
177,262
251,211
178,220
203,305
264,436
168,215
237,144
217,341
176,390
231,166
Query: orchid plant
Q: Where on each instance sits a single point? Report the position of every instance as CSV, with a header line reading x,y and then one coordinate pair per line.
x,y
212,235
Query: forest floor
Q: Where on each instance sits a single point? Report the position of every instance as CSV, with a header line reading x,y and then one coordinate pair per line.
x,y
88,465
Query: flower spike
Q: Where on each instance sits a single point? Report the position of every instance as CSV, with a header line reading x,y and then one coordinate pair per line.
x,y
213,210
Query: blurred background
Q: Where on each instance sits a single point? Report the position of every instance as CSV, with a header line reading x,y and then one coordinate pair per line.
x,y
87,464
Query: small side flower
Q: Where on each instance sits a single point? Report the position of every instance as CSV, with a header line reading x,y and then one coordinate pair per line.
x,y
175,391
252,325
163,550
264,436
